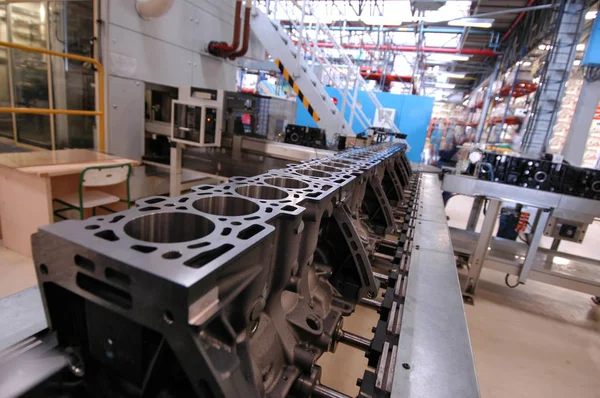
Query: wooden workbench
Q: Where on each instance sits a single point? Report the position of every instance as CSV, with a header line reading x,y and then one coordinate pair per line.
x,y
29,181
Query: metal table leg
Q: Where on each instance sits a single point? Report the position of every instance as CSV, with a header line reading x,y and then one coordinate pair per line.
x,y
474,215
478,257
175,171
538,231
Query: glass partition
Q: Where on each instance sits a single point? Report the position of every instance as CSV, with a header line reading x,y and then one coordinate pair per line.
x,y
71,26
6,123
33,80
27,26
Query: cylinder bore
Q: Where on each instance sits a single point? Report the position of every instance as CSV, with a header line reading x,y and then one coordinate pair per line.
x,y
225,206
338,165
322,167
169,227
286,183
346,162
261,192
313,173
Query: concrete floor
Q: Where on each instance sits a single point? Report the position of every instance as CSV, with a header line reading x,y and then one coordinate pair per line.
x,y
533,341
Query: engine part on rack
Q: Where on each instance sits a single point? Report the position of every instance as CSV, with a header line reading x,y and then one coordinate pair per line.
x,y
544,175
235,290
306,136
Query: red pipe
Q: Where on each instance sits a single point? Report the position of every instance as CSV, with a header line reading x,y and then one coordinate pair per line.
x,y
241,52
236,28
439,50
517,21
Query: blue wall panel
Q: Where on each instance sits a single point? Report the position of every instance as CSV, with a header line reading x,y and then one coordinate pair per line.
x,y
412,116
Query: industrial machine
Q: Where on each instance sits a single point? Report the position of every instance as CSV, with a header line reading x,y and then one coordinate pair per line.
x,y
236,290
553,199
304,135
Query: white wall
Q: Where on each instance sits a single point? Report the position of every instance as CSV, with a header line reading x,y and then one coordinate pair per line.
x,y
169,50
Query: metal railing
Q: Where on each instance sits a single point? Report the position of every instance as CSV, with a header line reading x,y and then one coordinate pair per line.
x,y
348,82
100,108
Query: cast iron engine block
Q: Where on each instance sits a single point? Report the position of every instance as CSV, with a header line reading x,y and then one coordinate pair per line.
x,y
232,290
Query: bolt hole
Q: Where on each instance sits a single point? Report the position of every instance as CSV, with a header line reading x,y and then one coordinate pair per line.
x,y
171,255
313,322
44,269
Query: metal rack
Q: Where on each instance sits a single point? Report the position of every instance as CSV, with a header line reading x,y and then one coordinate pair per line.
x,y
514,258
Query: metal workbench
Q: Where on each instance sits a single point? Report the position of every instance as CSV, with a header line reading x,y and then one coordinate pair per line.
x,y
515,258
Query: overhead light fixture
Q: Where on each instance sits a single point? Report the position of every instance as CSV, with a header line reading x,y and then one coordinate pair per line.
x,y
42,12
447,57
580,47
454,75
591,14
577,62
526,63
445,85
544,47
381,20
472,22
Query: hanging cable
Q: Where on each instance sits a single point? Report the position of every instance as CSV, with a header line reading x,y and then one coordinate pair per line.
x,y
508,284
490,169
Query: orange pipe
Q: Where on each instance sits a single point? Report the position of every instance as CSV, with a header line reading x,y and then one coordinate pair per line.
x,y
41,111
246,41
236,27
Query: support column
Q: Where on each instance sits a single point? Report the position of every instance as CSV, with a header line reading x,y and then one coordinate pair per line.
x,y
561,55
480,253
582,120
485,109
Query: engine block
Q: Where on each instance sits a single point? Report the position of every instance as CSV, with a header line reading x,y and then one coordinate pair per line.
x,y
232,290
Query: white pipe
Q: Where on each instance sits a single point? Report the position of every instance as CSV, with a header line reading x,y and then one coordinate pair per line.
x,y
148,9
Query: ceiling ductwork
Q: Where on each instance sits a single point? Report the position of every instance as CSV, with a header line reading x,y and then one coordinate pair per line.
x,y
149,9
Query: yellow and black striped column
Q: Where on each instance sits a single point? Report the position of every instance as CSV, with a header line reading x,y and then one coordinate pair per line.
x,y
288,78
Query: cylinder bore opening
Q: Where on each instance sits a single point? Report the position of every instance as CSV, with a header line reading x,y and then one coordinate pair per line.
x,y
339,165
261,192
322,167
313,173
169,227
286,183
346,161
225,206
313,322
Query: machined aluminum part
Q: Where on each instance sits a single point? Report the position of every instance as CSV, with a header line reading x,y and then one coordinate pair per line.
x,y
236,289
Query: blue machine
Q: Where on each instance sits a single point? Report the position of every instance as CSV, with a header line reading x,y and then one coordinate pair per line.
x,y
592,52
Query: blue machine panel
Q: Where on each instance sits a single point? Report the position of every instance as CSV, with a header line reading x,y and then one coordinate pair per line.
x,y
592,52
413,114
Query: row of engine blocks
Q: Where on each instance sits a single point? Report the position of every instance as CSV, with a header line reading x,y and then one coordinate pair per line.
x,y
232,290
543,175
